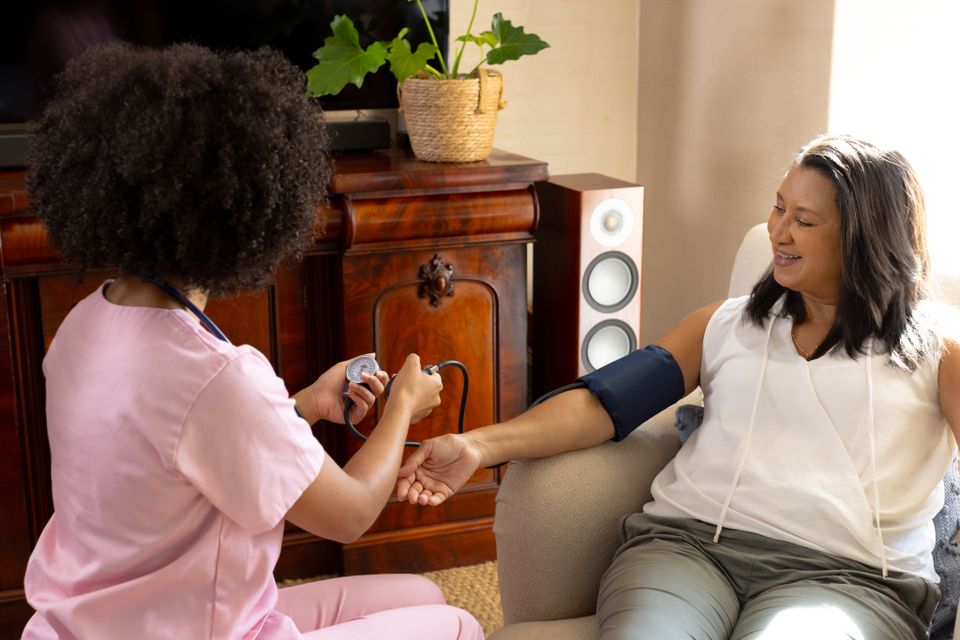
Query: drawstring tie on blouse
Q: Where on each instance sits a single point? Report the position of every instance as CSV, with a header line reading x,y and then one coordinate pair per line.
x,y
875,506
746,444
882,554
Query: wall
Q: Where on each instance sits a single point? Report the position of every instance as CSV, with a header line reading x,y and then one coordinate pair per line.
x,y
573,105
728,92
703,102
893,82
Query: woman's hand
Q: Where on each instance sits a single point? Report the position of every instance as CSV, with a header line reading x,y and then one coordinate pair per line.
x,y
323,400
415,390
437,469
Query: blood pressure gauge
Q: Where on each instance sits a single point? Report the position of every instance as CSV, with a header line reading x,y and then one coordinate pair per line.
x,y
359,365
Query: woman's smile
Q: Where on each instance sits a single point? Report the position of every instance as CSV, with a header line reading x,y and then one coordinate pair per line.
x,y
785,259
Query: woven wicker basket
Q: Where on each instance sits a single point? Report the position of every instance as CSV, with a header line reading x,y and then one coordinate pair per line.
x,y
452,120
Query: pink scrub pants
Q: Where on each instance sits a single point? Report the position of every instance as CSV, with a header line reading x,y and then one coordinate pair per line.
x,y
375,607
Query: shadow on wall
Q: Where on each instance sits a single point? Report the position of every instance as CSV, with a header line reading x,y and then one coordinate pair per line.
x,y
728,93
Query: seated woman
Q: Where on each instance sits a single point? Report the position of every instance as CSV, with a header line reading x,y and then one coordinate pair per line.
x,y
176,457
803,505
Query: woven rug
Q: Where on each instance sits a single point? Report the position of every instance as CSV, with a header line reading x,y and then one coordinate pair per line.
x,y
474,588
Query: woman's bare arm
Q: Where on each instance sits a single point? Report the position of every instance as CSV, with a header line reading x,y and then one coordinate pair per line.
x,y
569,421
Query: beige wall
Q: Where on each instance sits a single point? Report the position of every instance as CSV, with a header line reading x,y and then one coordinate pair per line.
x,y
573,105
729,90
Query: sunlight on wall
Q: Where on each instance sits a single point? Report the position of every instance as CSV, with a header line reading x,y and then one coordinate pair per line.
x,y
894,81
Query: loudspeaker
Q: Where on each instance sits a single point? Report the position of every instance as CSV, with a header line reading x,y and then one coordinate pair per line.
x,y
586,277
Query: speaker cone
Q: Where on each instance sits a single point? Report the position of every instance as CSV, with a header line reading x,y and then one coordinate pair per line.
x,y
605,342
610,281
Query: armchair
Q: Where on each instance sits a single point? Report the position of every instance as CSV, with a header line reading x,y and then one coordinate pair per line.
x,y
556,518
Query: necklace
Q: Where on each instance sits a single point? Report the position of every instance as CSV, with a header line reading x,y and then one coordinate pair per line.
x,y
803,352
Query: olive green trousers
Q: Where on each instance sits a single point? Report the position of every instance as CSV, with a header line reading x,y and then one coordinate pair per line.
x,y
670,581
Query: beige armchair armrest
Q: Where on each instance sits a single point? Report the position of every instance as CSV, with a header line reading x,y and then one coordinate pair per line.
x,y
557,520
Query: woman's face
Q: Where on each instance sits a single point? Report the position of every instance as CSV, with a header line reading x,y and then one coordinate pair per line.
x,y
804,229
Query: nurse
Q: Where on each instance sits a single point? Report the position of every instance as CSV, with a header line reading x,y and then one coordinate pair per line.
x,y
177,457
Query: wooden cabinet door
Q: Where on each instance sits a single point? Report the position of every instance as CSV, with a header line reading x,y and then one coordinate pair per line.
x,y
479,321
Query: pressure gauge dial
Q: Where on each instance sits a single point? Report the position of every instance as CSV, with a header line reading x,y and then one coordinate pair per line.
x,y
359,365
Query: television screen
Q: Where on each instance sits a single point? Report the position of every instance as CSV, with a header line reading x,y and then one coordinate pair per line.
x,y
40,37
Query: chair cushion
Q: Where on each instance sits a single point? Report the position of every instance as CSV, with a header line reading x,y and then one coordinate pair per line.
x,y
584,628
556,534
946,553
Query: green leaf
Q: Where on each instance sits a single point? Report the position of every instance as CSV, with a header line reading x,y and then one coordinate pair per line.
x,y
404,63
514,43
484,39
341,59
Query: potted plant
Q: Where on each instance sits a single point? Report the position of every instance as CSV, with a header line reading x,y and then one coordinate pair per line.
x,y
450,116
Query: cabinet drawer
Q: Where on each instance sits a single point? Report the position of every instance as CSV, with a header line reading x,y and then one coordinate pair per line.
x,y
409,221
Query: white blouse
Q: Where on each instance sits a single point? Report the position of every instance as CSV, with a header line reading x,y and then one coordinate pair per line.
x,y
846,456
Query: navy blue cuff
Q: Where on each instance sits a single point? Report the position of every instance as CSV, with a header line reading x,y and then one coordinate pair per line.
x,y
636,387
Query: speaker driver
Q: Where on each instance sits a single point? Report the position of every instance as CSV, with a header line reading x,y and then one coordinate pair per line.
x,y
611,222
605,342
610,281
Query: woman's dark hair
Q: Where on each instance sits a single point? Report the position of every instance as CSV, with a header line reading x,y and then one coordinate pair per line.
x,y
183,164
883,249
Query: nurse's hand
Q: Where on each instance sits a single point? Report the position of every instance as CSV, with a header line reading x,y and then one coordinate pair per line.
x,y
323,400
415,389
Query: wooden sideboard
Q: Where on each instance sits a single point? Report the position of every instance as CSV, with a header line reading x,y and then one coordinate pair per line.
x,y
410,257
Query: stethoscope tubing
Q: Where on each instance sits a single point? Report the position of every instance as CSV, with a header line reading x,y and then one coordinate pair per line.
x,y
348,403
205,320
211,326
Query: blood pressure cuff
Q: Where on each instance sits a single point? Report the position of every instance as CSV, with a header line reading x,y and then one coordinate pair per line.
x,y
636,387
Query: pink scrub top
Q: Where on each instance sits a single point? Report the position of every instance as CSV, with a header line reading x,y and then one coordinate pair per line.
x,y
174,458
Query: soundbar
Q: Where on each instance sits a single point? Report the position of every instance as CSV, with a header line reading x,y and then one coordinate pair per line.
x,y
14,147
351,135
359,135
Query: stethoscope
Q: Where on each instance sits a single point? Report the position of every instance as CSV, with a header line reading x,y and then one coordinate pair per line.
x,y
366,364
177,295
355,367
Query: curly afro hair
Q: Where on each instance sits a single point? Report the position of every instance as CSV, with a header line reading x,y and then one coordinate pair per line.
x,y
183,164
